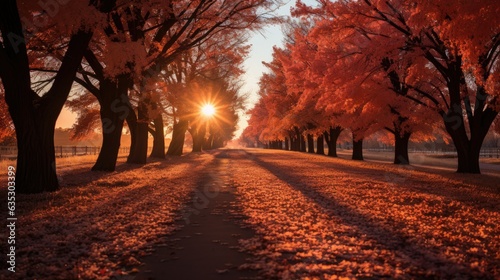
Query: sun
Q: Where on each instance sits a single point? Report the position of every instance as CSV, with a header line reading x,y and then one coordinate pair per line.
x,y
208,110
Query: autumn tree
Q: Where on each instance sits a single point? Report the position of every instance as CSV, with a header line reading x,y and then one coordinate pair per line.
x,y
281,124
34,115
186,26
194,79
305,84
112,64
441,37
213,131
256,124
142,39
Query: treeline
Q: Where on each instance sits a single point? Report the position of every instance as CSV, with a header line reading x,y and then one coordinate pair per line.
x,y
140,64
411,69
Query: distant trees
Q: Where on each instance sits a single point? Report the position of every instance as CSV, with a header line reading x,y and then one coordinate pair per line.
x,y
256,124
203,75
371,65
214,131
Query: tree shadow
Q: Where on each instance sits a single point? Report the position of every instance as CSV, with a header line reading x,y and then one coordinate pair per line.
x,y
82,181
422,260
476,190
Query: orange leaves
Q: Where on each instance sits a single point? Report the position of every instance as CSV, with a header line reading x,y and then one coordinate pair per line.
x,y
376,64
105,225
323,218
6,125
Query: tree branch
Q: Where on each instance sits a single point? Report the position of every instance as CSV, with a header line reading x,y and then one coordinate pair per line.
x,y
54,100
90,87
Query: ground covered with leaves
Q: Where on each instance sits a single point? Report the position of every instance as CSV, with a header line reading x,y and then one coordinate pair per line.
x,y
98,225
313,217
324,218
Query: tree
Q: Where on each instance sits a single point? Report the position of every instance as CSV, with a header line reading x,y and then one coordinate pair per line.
x,y
211,132
34,116
196,78
187,26
281,125
303,82
153,35
106,76
256,124
108,72
435,37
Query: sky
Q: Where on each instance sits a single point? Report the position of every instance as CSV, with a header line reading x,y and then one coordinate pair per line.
x,y
262,43
262,47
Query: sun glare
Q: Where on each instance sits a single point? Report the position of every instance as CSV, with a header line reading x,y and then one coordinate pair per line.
x,y
208,110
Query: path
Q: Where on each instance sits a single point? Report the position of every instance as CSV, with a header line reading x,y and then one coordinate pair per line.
x,y
205,247
315,216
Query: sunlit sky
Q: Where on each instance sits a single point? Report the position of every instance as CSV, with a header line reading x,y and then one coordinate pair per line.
x,y
262,45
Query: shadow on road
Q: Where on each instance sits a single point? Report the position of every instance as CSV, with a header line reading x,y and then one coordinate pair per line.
x,y
424,261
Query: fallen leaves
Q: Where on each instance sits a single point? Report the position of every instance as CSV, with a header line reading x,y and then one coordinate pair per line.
x,y
99,224
323,218
314,218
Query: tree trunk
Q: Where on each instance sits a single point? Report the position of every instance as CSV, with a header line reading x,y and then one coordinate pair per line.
x,y
357,148
479,123
209,143
198,135
297,139
132,125
294,144
302,140
142,132
114,110
331,140
36,165
287,145
320,149
468,158
401,148
310,143
178,135
158,150
106,161
467,150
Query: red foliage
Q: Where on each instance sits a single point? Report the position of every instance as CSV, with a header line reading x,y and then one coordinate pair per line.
x,y
7,132
376,64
